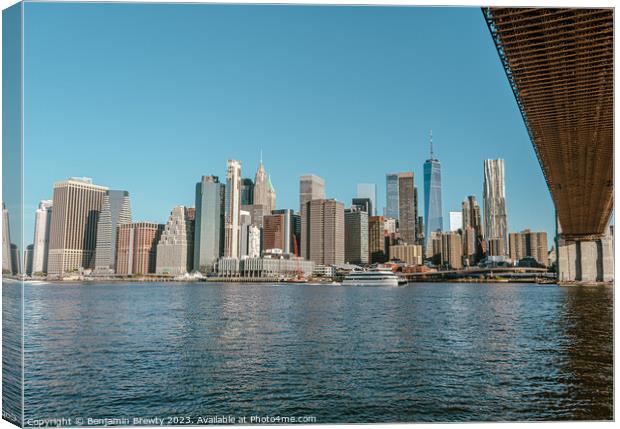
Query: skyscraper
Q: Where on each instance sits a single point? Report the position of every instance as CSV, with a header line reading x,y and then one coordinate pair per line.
x,y
115,211
377,251
391,195
247,191
311,187
28,259
432,194
411,254
420,229
456,221
472,219
7,266
233,206
451,250
136,248
465,214
176,247
281,231
245,220
326,231
407,213
364,204
77,204
356,236
495,216
257,213
42,224
264,193
469,245
209,223
368,190
275,232
254,241
16,260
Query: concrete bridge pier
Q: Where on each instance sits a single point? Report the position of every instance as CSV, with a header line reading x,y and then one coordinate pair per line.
x,y
589,261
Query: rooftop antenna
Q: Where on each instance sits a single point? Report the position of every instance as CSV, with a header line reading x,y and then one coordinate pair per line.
x,y
261,156
432,157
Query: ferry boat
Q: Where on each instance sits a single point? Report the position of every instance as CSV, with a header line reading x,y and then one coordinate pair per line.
x,y
371,278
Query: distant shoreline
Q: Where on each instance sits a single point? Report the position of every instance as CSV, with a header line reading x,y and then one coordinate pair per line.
x,y
309,282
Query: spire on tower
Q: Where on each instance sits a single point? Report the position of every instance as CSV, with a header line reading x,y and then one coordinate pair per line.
x,y
432,157
261,156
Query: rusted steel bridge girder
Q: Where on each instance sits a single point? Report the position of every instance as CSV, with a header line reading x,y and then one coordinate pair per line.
x,y
559,63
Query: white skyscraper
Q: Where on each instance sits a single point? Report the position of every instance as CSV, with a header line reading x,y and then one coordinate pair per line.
x,y
456,221
42,223
264,193
495,216
233,207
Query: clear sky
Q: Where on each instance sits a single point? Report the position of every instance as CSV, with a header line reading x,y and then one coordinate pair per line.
x,y
148,98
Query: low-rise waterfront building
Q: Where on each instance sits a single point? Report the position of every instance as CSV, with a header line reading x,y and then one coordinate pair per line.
x,y
321,270
272,266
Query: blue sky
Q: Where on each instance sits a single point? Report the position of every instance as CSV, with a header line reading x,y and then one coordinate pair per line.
x,y
148,98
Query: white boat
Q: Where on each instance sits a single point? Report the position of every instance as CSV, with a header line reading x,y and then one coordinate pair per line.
x,y
371,278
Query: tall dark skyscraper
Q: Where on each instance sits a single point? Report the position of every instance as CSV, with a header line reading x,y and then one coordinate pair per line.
x,y
247,191
432,193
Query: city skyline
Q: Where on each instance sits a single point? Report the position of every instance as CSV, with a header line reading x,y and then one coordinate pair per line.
x,y
465,129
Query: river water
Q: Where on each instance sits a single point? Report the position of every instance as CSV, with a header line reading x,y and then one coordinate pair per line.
x,y
424,352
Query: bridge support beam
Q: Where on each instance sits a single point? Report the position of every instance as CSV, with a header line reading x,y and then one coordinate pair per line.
x,y
586,262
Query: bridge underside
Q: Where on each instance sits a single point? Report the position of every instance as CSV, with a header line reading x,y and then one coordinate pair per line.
x,y
559,63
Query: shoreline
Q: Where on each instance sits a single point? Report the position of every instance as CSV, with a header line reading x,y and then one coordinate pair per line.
x,y
279,282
